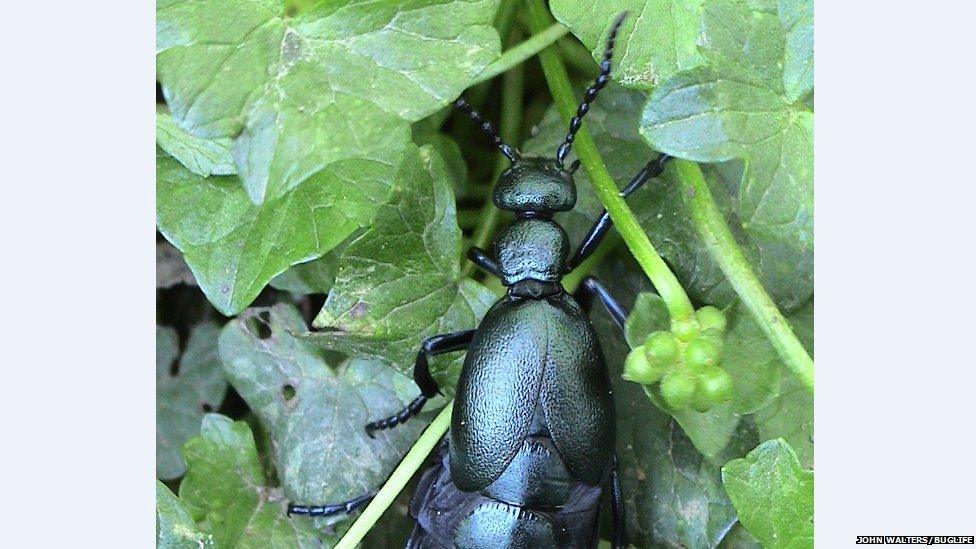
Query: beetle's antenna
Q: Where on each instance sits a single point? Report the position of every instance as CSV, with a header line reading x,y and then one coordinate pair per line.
x,y
590,94
486,127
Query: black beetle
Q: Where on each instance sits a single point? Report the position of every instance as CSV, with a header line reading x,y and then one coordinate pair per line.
x,y
531,443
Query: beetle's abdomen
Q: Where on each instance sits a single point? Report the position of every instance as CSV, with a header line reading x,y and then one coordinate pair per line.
x,y
532,249
448,517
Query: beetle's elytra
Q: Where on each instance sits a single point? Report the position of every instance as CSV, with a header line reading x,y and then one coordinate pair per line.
x,y
531,444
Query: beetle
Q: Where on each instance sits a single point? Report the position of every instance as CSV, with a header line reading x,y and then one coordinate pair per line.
x,y
531,443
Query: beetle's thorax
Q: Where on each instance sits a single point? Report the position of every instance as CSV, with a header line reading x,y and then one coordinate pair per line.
x,y
532,251
532,248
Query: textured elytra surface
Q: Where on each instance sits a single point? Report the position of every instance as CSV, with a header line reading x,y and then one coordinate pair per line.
x,y
530,353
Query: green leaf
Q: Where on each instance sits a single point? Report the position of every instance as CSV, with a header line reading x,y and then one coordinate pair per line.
x,y
315,404
790,414
201,156
752,361
185,391
797,18
739,538
312,277
175,528
773,495
785,272
399,282
450,152
333,84
743,105
657,39
234,247
225,488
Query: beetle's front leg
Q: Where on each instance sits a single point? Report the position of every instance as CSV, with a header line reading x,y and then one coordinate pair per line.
x,y
432,346
603,223
481,258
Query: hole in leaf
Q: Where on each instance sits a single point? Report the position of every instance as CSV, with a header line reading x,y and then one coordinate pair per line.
x,y
260,325
206,407
288,392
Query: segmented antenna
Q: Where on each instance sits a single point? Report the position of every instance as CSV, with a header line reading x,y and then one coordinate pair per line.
x,y
590,94
486,127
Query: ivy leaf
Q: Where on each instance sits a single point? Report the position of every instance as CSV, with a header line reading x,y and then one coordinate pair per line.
x,y
315,405
302,91
613,123
738,106
773,495
225,488
399,282
185,391
313,277
175,528
201,156
234,247
797,18
657,39
739,538
790,415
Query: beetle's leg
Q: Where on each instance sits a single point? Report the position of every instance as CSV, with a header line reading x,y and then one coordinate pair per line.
x,y
329,510
590,288
617,516
599,229
432,346
481,258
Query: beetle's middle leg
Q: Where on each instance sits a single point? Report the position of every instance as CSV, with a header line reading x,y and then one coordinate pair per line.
x,y
432,346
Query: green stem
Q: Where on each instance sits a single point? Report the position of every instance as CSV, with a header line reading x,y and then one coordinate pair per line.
x,y
400,477
510,125
573,279
721,245
516,55
666,284
578,57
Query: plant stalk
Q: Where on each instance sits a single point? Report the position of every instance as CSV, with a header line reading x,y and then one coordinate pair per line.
x,y
400,477
721,245
516,55
666,284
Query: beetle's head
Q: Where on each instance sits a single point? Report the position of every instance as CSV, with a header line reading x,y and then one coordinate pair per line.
x,y
535,185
